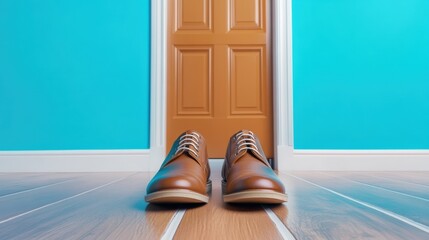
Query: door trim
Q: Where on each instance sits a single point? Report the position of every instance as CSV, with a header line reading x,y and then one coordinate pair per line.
x,y
158,88
282,83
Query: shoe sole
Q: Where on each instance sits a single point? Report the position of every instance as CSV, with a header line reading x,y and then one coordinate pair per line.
x,y
178,196
255,196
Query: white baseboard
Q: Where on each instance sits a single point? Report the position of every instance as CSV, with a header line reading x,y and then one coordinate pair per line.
x,y
75,161
352,160
148,160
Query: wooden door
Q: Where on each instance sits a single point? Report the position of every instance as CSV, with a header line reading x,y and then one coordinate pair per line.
x,y
219,71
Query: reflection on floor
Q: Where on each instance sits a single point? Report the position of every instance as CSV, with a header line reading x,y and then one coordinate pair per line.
x,y
322,205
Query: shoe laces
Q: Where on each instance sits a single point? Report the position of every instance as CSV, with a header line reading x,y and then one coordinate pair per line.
x,y
188,140
246,141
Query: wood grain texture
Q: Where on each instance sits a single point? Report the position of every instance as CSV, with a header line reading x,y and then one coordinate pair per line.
x,y
117,211
314,213
217,220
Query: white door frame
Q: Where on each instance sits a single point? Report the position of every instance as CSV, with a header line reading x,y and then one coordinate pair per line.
x,y
281,82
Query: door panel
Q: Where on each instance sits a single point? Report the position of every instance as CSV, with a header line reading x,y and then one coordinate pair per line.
x,y
194,14
246,14
219,71
194,80
247,68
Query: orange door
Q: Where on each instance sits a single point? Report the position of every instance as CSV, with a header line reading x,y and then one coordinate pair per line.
x,y
219,72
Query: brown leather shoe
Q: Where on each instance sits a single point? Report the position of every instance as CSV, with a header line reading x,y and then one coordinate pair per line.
x,y
247,175
184,175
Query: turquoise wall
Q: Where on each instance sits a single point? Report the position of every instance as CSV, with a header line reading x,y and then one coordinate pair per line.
x,y
361,74
74,74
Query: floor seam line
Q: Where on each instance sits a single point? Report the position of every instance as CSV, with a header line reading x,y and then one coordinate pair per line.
x,y
281,228
398,180
172,226
36,188
382,188
64,199
368,205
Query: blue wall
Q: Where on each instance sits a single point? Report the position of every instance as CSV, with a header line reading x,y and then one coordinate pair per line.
x,y
74,74
361,74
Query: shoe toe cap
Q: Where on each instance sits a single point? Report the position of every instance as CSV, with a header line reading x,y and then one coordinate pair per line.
x,y
255,183
160,183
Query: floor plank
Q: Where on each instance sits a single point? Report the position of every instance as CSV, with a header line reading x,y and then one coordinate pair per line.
x,y
420,179
11,183
423,174
399,186
408,207
314,213
117,211
17,204
217,220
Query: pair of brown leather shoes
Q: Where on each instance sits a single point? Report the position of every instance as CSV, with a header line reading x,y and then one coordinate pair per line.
x,y
184,176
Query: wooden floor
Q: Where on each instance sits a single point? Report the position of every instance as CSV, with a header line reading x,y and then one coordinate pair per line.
x,y
322,205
